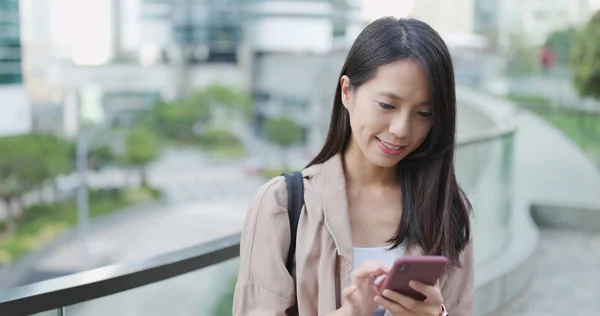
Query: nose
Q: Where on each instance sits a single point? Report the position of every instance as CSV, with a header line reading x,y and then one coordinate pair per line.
x,y
400,125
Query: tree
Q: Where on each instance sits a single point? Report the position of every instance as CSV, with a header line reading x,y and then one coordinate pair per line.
x,y
560,42
177,119
522,57
283,131
141,148
222,96
585,59
100,158
26,162
57,153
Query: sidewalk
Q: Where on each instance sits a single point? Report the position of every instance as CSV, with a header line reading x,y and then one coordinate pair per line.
x,y
576,281
551,169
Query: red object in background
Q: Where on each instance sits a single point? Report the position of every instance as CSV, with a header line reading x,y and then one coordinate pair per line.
x,y
547,57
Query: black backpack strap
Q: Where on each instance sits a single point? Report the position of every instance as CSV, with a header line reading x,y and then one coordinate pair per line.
x,y
295,186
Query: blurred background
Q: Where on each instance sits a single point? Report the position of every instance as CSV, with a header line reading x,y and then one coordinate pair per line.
x,y
135,128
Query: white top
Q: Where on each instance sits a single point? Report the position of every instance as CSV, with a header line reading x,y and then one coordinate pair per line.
x,y
381,254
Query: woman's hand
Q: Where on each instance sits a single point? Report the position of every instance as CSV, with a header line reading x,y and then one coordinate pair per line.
x,y
403,305
359,297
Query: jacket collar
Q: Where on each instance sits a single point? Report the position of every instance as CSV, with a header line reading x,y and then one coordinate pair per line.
x,y
335,208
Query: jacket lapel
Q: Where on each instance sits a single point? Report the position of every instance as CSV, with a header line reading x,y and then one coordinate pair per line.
x,y
335,208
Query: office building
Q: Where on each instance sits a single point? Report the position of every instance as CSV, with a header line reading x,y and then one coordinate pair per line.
x,y
10,43
15,111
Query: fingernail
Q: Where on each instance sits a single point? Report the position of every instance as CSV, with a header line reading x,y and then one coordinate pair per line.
x,y
386,292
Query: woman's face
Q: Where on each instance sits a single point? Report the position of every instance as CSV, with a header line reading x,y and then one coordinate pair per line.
x,y
391,114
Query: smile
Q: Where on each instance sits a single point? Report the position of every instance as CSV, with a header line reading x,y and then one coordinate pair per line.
x,y
389,149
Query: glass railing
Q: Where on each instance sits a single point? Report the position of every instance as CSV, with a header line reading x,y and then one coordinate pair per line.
x,y
484,166
199,280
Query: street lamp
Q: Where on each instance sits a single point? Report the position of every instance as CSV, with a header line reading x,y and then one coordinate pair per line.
x,y
84,147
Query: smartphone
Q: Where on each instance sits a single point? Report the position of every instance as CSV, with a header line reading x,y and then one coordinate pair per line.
x,y
425,269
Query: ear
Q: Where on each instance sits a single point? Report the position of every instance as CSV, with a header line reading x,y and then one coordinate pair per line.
x,y
346,92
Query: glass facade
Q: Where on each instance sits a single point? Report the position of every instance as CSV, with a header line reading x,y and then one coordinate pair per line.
x,y
199,25
10,45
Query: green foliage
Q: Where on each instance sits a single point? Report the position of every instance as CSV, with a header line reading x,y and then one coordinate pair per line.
x,y
283,131
177,120
42,223
214,136
141,148
218,95
101,157
272,173
581,127
585,59
522,57
220,143
224,305
561,42
26,162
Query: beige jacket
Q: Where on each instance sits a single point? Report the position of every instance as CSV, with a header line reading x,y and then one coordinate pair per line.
x,y
324,252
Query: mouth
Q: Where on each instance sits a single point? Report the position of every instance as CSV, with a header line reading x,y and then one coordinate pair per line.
x,y
390,149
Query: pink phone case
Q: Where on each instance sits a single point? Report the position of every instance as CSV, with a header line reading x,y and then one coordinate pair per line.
x,y
426,269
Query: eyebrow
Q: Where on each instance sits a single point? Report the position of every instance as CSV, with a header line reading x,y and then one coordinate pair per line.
x,y
399,98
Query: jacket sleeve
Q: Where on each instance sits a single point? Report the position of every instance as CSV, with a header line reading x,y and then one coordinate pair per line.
x,y
264,287
459,289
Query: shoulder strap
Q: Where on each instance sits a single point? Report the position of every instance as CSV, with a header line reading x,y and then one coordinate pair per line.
x,y
295,186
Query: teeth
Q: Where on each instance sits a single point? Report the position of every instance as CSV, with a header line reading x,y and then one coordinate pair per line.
x,y
389,146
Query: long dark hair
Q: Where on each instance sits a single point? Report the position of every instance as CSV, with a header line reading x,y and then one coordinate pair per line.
x,y
435,210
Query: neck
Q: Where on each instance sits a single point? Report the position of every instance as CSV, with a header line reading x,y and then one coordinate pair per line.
x,y
361,172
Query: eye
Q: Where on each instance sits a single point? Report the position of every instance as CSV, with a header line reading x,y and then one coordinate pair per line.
x,y
425,113
386,106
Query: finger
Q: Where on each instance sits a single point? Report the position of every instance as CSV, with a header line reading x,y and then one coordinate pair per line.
x,y
347,292
378,264
403,300
367,271
380,283
432,293
372,266
393,307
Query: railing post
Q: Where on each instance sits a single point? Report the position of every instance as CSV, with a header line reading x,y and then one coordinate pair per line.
x,y
62,311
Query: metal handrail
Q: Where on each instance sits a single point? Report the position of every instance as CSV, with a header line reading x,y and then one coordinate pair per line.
x,y
487,135
57,293
84,286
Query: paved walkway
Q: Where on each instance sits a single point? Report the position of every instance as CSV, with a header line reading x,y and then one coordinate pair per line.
x,y
567,281
551,169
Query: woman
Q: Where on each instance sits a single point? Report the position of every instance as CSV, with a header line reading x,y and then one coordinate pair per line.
x,y
383,186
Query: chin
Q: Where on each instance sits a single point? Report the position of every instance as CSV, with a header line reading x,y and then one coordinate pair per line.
x,y
383,161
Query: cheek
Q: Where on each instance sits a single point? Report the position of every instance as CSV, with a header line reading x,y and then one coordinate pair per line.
x,y
367,120
422,131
